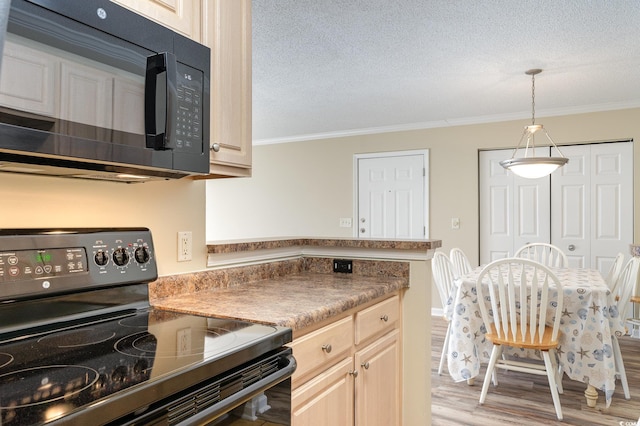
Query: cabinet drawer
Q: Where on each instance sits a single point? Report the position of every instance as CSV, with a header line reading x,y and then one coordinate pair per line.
x,y
378,318
321,347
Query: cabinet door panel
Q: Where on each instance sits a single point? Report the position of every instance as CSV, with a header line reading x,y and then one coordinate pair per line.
x,y
80,83
183,16
378,388
228,33
28,80
326,399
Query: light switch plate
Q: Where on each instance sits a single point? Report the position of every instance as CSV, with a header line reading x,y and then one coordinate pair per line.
x,y
345,222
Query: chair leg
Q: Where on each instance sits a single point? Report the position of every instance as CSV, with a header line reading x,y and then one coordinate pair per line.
x,y
445,349
558,371
495,354
551,375
617,354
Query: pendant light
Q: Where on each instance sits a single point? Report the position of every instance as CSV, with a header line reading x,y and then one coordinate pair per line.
x,y
530,166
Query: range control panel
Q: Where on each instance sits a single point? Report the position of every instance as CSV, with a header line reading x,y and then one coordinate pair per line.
x,y
39,261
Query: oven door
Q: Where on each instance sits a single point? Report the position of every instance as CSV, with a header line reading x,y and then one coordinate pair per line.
x,y
253,393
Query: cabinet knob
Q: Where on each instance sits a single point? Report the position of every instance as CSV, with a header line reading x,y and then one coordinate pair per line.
x,y
365,365
326,348
571,247
354,373
215,147
384,318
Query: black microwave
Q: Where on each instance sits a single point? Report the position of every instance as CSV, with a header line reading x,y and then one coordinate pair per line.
x,y
90,89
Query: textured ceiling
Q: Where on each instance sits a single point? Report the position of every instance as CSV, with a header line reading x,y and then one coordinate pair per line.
x,y
325,68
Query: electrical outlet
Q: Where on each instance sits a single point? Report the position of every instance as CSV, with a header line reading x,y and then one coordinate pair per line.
x,y
183,342
185,246
345,222
343,265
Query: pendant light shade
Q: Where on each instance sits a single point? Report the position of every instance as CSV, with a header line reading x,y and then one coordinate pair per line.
x,y
530,166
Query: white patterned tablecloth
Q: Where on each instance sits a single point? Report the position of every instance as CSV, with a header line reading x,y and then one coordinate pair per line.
x,y
589,319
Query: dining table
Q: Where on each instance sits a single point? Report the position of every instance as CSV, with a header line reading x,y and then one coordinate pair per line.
x,y
585,351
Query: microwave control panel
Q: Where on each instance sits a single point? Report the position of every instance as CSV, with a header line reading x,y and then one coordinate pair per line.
x,y
189,87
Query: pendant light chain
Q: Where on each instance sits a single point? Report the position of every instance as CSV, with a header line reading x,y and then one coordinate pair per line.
x,y
533,99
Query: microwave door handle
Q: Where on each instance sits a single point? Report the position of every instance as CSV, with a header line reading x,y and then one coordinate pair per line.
x,y
160,99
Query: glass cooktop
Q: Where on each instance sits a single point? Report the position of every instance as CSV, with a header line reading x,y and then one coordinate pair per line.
x,y
44,377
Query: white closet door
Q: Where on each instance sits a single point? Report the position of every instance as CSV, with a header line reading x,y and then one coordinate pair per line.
x,y
513,210
571,206
496,230
593,204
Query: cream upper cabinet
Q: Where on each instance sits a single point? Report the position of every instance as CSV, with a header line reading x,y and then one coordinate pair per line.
x,y
349,370
227,31
183,16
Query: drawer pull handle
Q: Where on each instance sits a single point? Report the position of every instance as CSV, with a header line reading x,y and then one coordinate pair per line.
x,y
326,348
365,365
354,373
384,318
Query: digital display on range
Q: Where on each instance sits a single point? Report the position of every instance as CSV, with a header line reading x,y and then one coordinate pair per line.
x,y
21,265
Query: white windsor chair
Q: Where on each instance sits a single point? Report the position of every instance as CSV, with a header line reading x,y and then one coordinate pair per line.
x,y
518,292
443,276
547,254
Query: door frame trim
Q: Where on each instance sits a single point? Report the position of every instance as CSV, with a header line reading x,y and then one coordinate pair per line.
x,y
391,154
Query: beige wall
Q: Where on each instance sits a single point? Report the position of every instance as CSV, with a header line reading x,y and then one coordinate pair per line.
x,y
165,207
302,189
298,189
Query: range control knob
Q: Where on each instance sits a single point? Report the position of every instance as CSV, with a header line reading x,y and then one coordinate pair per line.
x,y
120,257
141,255
101,258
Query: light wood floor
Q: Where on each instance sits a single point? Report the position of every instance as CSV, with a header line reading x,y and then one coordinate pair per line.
x,y
525,399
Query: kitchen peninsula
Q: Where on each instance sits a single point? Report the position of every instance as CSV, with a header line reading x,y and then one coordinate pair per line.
x,y
291,282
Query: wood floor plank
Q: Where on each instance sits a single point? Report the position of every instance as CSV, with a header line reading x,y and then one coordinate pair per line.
x,y
525,399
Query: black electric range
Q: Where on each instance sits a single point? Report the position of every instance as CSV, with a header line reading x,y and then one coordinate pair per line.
x,y
80,344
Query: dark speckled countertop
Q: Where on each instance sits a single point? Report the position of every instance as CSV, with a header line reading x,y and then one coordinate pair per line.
x,y
294,301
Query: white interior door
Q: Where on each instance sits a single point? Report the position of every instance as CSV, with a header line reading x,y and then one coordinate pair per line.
x,y
391,195
513,210
593,204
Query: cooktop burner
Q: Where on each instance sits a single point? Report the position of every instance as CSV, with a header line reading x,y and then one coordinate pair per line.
x,y
5,359
44,385
77,338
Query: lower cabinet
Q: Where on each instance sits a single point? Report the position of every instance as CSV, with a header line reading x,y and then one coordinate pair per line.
x,y
349,371
326,399
377,387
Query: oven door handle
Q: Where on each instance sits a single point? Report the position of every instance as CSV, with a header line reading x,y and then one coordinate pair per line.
x,y
244,395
